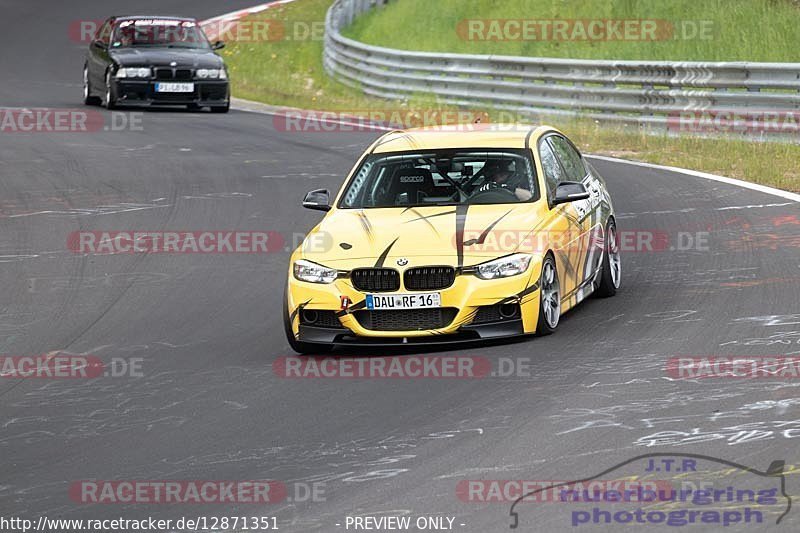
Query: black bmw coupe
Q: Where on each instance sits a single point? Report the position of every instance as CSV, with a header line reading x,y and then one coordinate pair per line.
x,y
144,61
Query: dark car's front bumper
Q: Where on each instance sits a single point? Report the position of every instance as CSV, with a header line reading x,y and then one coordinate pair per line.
x,y
143,93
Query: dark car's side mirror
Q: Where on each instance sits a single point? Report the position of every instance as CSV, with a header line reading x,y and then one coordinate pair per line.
x,y
570,191
218,45
318,199
100,44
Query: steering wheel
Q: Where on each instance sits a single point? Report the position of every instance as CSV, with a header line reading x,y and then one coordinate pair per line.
x,y
497,195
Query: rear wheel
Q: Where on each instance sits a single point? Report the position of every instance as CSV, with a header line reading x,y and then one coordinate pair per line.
x,y
611,271
305,348
549,298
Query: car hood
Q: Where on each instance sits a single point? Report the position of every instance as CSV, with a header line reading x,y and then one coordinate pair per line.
x,y
157,57
448,235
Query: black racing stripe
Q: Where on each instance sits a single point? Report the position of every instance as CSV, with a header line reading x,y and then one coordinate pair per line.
x,y
520,295
384,139
382,257
528,139
355,307
570,269
425,218
365,224
297,310
461,221
528,290
482,237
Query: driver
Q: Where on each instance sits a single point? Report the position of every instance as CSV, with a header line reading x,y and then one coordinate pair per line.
x,y
498,173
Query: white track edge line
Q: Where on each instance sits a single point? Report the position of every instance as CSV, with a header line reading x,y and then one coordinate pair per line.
x,y
705,175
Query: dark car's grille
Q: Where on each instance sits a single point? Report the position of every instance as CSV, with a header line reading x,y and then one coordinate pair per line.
x,y
429,278
375,279
406,319
173,74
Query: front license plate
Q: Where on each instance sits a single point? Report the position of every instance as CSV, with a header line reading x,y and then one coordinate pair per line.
x,y
174,87
404,301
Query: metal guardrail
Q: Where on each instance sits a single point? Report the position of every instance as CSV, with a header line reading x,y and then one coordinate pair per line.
x,y
653,93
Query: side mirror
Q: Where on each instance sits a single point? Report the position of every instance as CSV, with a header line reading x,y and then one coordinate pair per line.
x,y
570,191
218,45
318,199
100,44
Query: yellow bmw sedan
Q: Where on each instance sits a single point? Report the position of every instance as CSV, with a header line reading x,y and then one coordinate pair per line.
x,y
453,234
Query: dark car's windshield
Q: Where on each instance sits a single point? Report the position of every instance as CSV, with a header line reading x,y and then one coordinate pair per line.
x,y
158,32
442,177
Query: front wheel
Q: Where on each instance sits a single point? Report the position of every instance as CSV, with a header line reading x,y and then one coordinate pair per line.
x,y
611,270
110,101
549,298
305,348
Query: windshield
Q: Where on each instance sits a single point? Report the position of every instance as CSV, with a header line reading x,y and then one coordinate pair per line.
x,y
442,177
158,32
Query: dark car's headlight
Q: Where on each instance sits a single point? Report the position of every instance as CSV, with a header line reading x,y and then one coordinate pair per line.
x,y
134,72
313,273
212,74
505,267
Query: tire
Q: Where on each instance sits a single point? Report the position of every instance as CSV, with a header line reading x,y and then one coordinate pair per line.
x,y
110,101
88,99
549,298
304,348
611,269
221,108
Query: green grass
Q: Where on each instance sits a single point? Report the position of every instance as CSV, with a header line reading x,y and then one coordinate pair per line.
x,y
737,30
290,73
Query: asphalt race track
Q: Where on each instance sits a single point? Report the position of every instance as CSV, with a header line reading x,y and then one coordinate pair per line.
x,y
207,327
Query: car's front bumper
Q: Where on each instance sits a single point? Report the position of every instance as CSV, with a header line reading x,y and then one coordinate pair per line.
x,y
130,92
472,304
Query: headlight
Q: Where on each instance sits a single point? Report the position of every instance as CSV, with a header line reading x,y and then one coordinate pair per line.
x,y
133,73
504,267
312,272
136,72
212,73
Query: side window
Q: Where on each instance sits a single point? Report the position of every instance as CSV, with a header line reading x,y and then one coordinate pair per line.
x,y
553,173
570,159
